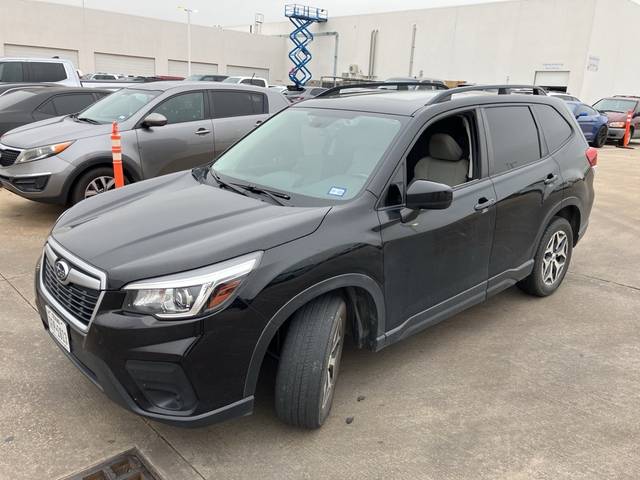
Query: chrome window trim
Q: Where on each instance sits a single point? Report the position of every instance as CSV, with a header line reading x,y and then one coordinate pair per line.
x,y
53,250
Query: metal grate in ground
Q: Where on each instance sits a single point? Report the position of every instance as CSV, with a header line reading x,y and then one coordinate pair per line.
x,y
129,465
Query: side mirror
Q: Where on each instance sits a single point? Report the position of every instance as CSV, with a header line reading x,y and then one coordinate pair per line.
x,y
426,195
582,114
154,120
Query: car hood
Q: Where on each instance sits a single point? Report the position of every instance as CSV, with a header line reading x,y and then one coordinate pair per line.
x,y
175,223
616,116
52,130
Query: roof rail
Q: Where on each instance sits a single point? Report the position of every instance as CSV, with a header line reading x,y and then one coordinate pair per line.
x,y
336,91
502,90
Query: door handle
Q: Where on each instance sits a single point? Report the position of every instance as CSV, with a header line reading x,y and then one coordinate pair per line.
x,y
258,122
551,178
484,202
202,131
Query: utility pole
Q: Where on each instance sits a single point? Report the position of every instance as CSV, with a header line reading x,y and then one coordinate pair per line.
x,y
189,11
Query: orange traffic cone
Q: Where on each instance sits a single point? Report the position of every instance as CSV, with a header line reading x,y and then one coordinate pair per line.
x,y
116,151
627,131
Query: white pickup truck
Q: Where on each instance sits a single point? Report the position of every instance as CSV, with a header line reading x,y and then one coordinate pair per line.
x,y
51,70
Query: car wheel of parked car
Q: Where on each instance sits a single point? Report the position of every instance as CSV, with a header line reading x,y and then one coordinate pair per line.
x,y
92,183
552,259
621,141
601,137
310,361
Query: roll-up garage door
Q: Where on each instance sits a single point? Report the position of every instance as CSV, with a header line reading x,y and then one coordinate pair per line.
x,y
125,64
557,80
241,71
11,50
180,68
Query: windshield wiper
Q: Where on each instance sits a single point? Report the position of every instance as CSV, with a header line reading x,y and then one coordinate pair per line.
x,y
273,195
226,185
88,120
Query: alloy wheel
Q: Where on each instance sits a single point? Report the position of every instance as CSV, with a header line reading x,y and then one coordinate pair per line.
x,y
333,363
99,185
555,257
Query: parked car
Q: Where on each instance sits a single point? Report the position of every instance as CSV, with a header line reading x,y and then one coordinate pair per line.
x,y
10,87
616,109
50,70
295,95
278,88
165,127
593,123
206,78
30,104
567,97
429,83
372,216
103,76
257,81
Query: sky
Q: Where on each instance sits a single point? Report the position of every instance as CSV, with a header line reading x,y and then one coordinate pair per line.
x,y
241,12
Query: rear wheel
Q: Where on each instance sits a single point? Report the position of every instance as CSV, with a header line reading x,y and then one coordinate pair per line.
x,y
601,137
552,259
95,181
310,362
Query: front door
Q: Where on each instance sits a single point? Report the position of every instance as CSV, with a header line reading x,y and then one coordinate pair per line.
x,y
186,141
436,261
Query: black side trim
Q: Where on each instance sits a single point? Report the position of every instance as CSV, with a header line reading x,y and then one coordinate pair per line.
x,y
508,278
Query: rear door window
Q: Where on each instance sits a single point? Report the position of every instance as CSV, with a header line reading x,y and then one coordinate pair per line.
x,y
234,104
186,107
46,72
72,103
555,128
11,72
47,108
514,137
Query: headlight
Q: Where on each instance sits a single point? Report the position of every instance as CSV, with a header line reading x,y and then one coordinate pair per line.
x,y
617,124
192,293
39,153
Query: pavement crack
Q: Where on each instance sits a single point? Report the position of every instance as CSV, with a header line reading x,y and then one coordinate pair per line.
x,y
168,443
27,301
604,280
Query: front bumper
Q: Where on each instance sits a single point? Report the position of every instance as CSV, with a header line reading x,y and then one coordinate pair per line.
x,y
42,180
615,133
174,372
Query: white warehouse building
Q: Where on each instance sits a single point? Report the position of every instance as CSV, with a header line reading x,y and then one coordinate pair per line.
x,y
583,46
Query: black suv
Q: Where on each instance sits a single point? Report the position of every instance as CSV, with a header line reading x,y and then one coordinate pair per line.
x,y
364,213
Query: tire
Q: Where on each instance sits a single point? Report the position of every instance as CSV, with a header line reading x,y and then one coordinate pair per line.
x,y
601,137
310,362
80,189
547,274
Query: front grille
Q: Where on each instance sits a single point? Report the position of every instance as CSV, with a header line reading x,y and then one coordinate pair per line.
x,y
8,157
77,300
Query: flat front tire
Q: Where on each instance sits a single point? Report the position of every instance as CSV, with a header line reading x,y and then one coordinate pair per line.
x,y
310,362
552,259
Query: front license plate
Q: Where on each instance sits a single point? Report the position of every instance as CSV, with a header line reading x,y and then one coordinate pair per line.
x,y
58,329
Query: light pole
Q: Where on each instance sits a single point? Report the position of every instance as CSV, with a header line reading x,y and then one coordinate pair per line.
x,y
189,11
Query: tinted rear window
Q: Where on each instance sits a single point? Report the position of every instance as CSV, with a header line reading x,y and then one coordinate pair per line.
x,y
47,72
11,72
555,128
514,137
72,103
234,104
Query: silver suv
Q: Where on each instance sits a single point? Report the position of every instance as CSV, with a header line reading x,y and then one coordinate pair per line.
x,y
165,127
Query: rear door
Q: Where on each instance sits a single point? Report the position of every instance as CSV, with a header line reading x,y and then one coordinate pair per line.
x,y
527,181
235,113
587,119
186,141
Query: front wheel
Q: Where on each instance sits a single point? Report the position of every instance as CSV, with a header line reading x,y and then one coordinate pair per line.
x,y
310,361
601,137
552,259
95,181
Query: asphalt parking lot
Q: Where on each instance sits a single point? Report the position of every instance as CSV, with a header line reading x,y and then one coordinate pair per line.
x,y
516,388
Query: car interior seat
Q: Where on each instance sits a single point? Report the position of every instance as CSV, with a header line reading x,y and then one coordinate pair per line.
x,y
445,162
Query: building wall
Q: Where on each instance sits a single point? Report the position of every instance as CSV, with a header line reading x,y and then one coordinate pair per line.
x,y
492,43
24,22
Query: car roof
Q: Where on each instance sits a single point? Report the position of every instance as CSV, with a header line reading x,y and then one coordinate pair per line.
x,y
186,85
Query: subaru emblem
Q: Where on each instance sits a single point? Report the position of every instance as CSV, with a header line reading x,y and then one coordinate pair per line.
x,y
62,270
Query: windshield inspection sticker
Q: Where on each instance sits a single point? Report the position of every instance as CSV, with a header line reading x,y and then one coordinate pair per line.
x,y
337,191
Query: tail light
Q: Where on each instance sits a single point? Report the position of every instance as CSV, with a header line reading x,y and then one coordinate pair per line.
x,y
592,156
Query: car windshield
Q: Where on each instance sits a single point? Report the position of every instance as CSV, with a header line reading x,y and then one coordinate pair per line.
x,y
322,154
119,106
615,105
232,80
